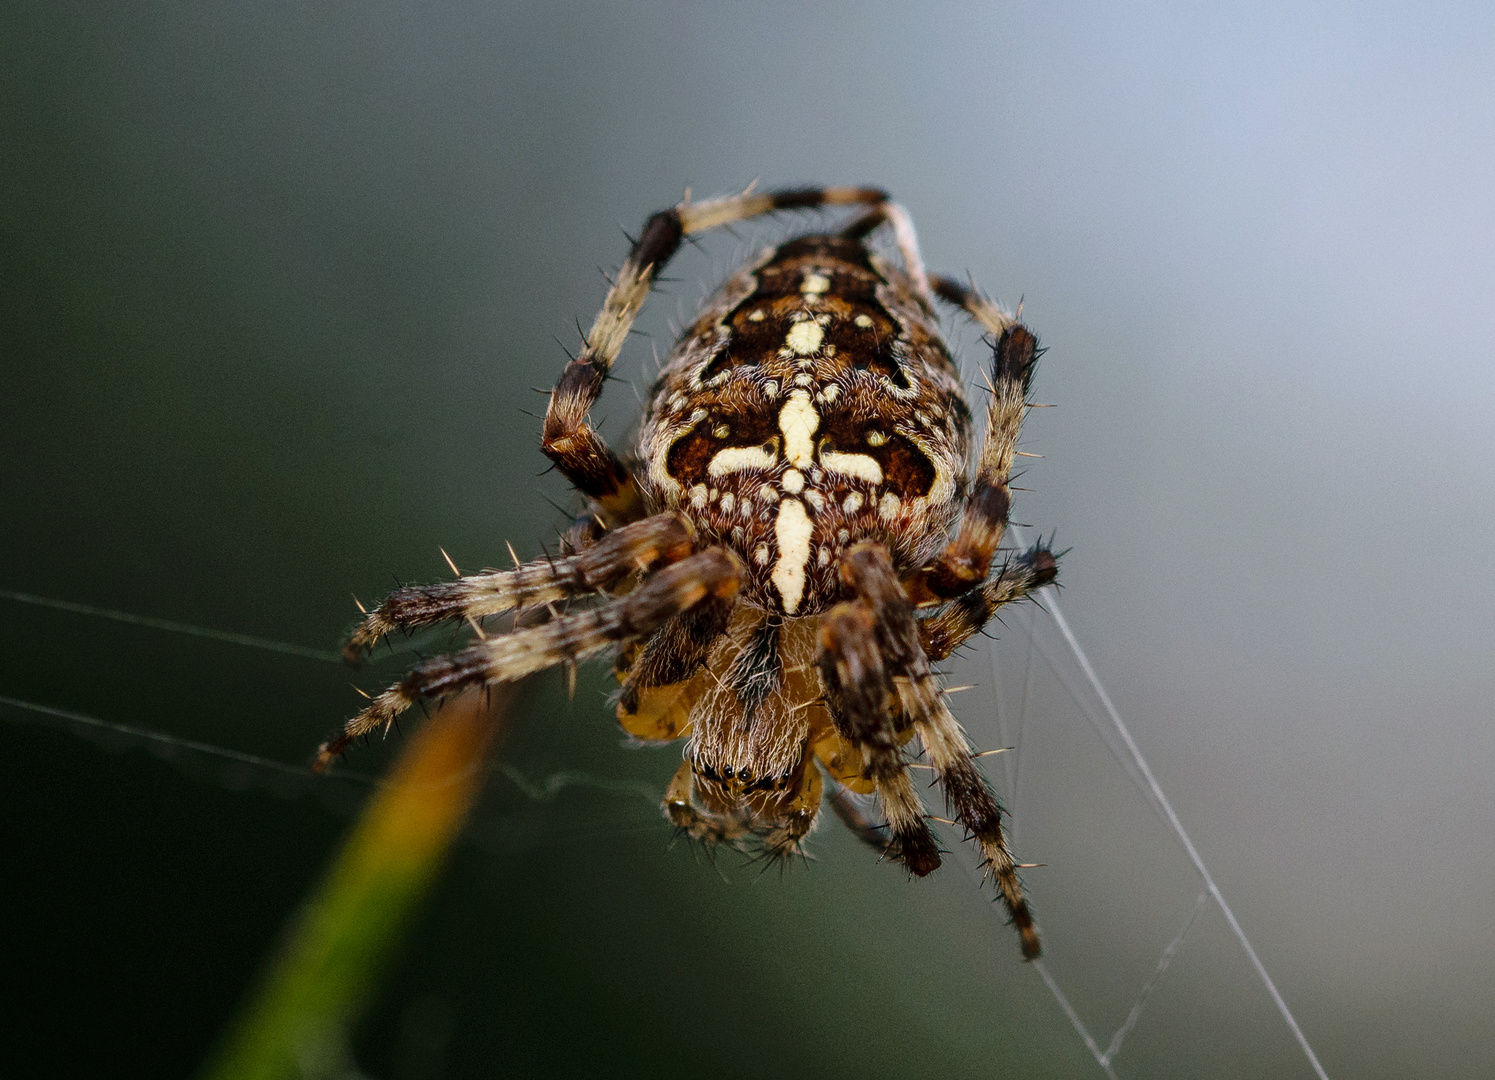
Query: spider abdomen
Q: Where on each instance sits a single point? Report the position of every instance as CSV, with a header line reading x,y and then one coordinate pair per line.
x,y
810,406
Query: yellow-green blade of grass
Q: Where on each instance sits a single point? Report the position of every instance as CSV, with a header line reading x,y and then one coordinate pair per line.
x,y
299,1014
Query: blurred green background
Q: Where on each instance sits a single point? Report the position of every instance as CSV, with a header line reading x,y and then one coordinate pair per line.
x,y
276,281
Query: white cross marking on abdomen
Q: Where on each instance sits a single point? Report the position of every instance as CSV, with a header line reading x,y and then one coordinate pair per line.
x,y
792,530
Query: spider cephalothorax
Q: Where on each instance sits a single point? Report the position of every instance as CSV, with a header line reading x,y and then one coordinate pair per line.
x,y
774,565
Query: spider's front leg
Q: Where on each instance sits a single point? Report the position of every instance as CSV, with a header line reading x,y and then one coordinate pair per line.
x,y
1022,575
867,570
862,702
641,546
713,573
569,439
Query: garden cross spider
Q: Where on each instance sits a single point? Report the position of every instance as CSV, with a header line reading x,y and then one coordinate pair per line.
x,y
773,566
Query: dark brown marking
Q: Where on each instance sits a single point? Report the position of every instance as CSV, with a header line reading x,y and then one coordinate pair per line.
x,y
951,291
916,849
906,470
863,226
689,458
659,241
814,196
1016,351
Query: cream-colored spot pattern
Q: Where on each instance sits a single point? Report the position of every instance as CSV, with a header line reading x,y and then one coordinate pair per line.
x,y
738,458
861,466
805,337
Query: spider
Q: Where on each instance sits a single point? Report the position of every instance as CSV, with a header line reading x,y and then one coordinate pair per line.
x,y
772,566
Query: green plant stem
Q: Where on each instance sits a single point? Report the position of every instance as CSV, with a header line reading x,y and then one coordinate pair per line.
x,y
295,1023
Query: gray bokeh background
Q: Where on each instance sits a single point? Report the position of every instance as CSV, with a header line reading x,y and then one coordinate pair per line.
x,y
276,282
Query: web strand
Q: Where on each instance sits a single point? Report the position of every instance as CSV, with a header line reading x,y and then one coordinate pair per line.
x,y
247,640
159,738
1166,811
1128,754
546,790
1104,1060
1135,1012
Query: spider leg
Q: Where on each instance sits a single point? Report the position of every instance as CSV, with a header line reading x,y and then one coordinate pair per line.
x,y
964,563
852,815
715,572
970,797
667,676
950,627
640,546
860,696
569,440
795,816
904,236
982,311
867,569
585,530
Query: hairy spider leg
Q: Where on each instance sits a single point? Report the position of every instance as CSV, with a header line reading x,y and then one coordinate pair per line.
x,y
665,677
860,697
982,310
852,814
965,562
867,571
904,236
569,440
1021,575
715,572
970,798
637,547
